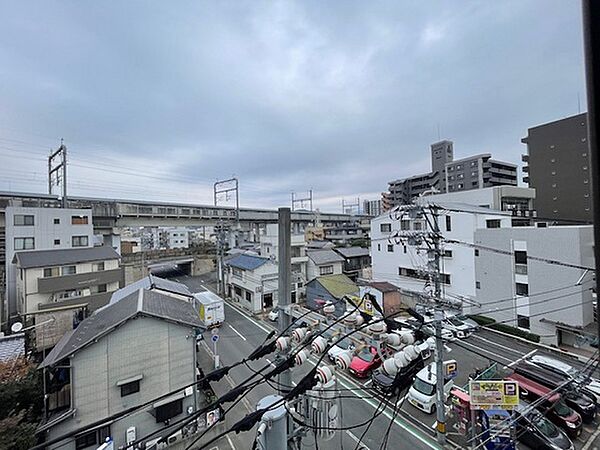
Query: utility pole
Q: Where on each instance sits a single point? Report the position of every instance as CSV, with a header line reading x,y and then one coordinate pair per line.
x,y
220,255
284,288
591,38
438,316
54,176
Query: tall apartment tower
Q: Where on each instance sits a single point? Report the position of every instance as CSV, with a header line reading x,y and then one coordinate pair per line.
x,y
441,153
558,167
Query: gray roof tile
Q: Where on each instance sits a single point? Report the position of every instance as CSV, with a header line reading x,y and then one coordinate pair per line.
x,y
324,256
46,258
140,303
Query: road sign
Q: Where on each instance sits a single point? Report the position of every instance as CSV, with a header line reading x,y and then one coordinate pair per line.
x,y
215,337
494,394
214,331
450,368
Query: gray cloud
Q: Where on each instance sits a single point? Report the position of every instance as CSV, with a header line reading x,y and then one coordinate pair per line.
x,y
336,96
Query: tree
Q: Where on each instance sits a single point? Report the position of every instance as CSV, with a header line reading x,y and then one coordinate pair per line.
x,y
21,403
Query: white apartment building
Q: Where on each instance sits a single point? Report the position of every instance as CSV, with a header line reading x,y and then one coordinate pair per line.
x,y
269,248
176,237
66,277
252,281
41,229
552,301
405,265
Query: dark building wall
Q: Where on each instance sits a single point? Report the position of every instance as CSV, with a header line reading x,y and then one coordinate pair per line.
x,y
558,167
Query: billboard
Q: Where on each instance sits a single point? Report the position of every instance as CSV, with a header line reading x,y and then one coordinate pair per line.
x,y
494,394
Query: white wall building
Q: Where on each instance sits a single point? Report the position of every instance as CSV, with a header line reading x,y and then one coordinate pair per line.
x,y
535,296
269,248
64,277
177,237
41,229
252,281
405,265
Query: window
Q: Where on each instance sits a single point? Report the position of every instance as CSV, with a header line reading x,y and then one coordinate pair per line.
x,y
417,226
390,248
237,272
492,223
448,223
130,388
473,163
168,411
378,247
477,285
326,270
523,321
27,243
460,176
51,272
476,252
56,221
87,440
460,186
248,296
56,241
98,289
237,290
445,278
522,289
385,227
79,220
405,225
520,257
23,220
98,267
447,254
79,241
68,270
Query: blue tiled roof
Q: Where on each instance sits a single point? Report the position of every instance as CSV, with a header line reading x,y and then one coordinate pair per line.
x,y
247,262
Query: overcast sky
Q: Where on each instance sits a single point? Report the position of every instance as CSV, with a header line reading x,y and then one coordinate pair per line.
x,y
157,100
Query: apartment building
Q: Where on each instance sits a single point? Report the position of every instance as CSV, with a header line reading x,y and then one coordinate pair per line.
x,y
449,175
558,168
29,228
269,248
125,355
372,208
176,237
552,301
478,172
62,277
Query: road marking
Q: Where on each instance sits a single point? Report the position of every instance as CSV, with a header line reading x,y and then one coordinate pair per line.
x,y
269,361
386,413
243,313
367,383
230,443
521,358
244,400
480,349
237,332
497,344
357,440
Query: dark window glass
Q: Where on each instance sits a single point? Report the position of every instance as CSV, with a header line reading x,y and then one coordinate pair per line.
x,y
130,388
87,440
492,223
168,411
56,241
523,321
385,227
23,220
522,289
390,248
448,223
56,221
520,257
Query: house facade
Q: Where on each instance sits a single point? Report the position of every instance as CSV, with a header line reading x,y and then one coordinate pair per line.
x,y
64,277
252,281
330,288
323,262
124,355
29,228
356,259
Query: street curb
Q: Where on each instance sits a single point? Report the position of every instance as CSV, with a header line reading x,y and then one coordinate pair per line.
x,y
580,358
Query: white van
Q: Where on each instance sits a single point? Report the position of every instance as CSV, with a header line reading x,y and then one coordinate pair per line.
x,y
422,393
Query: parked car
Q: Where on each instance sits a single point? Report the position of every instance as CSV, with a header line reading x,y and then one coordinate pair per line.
x,y
537,432
468,321
457,327
447,335
568,371
365,362
422,394
392,385
273,314
551,405
577,399
340,347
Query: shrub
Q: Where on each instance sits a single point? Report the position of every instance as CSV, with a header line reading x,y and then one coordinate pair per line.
x,y
491,323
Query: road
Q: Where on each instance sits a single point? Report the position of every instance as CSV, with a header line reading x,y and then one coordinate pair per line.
x,y
410,429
